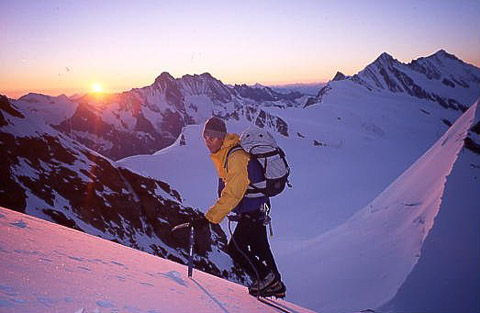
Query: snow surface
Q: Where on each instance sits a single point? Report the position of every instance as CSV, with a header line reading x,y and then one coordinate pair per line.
x,y
52,110
447,276
45,268
363,262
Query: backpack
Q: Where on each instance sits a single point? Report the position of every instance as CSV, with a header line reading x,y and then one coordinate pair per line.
x,y
262,147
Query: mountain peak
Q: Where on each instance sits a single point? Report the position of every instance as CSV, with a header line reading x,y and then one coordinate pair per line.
x,y
385,57
204,76
165,76
207,75
339,76
444,54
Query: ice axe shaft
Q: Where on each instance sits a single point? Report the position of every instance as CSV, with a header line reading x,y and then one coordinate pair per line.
x,y
191,244
190,254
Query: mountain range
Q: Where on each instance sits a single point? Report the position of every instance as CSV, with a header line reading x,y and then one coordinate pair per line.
x,y
441,77
129,166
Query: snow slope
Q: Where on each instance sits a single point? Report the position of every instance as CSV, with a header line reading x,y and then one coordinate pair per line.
x,y
447,276
46,268
362,263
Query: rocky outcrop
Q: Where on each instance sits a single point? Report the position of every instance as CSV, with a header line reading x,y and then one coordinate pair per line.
x,y
339,76
266,94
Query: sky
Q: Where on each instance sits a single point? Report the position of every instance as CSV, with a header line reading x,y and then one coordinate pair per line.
x,y
69,47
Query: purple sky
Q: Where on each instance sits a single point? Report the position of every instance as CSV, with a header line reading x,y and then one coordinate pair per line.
x,y
58,47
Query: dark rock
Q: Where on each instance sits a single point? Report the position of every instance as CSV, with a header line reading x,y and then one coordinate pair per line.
x,y
447,122
265,94
339,76
448,83
6,107
310,101
471,145
476,128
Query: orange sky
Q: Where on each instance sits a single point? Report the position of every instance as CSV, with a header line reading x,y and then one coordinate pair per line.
x,y
57,47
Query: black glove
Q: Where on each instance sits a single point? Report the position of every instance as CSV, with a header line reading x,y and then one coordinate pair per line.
x,y
200,222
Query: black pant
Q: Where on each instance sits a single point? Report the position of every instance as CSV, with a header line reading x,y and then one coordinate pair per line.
x,y
251,237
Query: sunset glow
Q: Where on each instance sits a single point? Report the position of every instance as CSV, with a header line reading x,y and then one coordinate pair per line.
x,y
97,88
53,47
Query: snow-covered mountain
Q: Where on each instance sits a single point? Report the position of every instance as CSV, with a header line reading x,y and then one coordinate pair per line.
x,y
305,88
441,77
144,120
267,95
48,268
45,173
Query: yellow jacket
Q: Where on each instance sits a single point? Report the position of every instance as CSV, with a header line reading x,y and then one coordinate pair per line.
x,y
236,180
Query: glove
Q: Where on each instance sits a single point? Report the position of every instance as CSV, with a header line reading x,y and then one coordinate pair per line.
x,y
200,222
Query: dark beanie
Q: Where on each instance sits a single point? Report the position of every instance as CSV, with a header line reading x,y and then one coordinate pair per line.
x,y
215,127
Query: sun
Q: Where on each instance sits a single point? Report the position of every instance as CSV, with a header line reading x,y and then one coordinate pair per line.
x,y
97,88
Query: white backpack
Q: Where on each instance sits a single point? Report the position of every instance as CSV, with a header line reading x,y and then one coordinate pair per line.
x,y
261,146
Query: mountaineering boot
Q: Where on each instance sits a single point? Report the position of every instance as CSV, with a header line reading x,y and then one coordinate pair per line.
x,y
264,283
276,290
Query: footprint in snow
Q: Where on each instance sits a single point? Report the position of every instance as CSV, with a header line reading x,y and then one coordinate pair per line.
x,y
174,276
48,302
121,278
132,309
27,252
7,290
117,263
105,304
75,258
5,304
412,204
97,261
19,224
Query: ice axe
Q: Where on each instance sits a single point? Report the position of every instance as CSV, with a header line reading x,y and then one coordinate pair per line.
x,y
191,244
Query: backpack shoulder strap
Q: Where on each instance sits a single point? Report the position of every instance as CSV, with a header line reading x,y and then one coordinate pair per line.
x,y
230,152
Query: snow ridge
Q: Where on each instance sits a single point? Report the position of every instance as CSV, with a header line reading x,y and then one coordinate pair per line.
x,y
384,239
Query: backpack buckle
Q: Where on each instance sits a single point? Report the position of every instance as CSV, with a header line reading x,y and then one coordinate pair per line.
x,y
267,220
